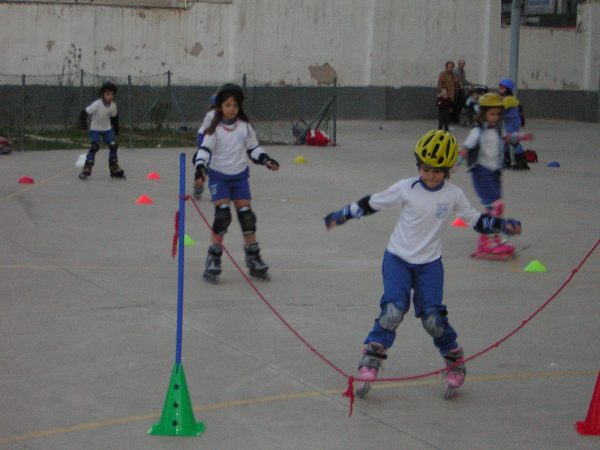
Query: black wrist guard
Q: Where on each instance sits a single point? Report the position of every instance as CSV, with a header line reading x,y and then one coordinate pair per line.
x,y
200,173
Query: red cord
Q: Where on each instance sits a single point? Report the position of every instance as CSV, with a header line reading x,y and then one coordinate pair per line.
x,y
349,392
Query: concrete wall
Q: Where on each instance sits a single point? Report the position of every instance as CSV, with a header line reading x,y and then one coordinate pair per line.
x,y
385,54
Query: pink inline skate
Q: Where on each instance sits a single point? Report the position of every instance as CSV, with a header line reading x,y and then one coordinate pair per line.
x,y
454,377
369,365
493,247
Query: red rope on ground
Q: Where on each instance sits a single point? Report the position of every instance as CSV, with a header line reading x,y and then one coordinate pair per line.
x,y
175,235
349,392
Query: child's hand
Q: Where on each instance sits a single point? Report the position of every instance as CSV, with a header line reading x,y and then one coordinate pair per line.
x,y
336,218
462,156
271,164
199,176
525,136
511,226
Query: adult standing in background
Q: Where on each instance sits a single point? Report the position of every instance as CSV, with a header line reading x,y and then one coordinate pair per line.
x,y
460,77
447,80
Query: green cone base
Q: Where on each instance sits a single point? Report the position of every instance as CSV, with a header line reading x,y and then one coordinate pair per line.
x,y
177,417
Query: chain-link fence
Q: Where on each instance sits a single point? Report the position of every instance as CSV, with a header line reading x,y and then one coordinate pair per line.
x,y
40,112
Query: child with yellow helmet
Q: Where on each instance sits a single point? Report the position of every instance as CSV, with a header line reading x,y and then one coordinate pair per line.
x,y
484,150
413,257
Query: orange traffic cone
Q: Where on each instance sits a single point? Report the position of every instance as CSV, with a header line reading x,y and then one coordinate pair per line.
x,y
459,223
591,424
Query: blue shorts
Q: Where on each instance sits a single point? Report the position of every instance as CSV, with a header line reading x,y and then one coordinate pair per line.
x,y
107,136
232,187
487,184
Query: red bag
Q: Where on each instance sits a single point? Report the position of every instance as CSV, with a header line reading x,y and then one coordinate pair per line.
x,y
316,137
531,156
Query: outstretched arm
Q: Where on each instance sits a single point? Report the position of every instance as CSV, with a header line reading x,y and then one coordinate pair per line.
x,y
352,211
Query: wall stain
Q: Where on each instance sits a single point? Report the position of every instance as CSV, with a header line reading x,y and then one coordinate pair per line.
x,y
196,49
569,86
324,74
109,48
50,45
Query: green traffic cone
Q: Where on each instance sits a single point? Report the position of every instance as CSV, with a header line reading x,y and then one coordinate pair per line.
x,y
188,241
177,417
535,266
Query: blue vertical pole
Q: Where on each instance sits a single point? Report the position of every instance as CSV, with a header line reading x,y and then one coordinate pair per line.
x,y
181,255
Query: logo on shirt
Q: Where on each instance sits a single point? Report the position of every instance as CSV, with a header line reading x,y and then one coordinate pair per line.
x,y
441,210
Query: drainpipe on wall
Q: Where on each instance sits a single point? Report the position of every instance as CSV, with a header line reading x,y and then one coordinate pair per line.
x,y
515,25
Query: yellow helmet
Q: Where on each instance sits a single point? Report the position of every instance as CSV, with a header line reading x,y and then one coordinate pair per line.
x,y
437,148
491,100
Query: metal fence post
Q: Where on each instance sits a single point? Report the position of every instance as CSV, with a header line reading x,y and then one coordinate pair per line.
x,y
81,75
22,137
130,111
335,110
169,98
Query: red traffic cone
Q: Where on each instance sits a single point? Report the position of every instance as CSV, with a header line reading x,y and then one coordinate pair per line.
x,y
144,200
153,176
591,424
458,222
26,180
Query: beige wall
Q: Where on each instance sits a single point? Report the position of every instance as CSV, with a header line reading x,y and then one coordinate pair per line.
x,y
298,42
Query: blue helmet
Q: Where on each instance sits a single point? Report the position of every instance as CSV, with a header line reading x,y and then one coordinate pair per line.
x,y
508,84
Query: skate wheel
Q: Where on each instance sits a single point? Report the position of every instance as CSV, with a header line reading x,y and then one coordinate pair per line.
x,y
363,389
449,392
261,276
493,256
213,279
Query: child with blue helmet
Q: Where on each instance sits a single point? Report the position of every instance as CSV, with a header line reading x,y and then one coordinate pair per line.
x,y
512,123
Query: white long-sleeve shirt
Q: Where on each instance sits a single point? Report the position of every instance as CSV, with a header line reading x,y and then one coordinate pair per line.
x,y
491,146
228,148
101,115
424,215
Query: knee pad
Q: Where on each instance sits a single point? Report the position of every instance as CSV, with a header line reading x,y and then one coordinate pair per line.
x,y
390,317
435,322
496,209
113,146
94,147
222,219
247,220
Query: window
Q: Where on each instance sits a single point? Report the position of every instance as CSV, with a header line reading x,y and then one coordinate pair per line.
x,y
543,13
